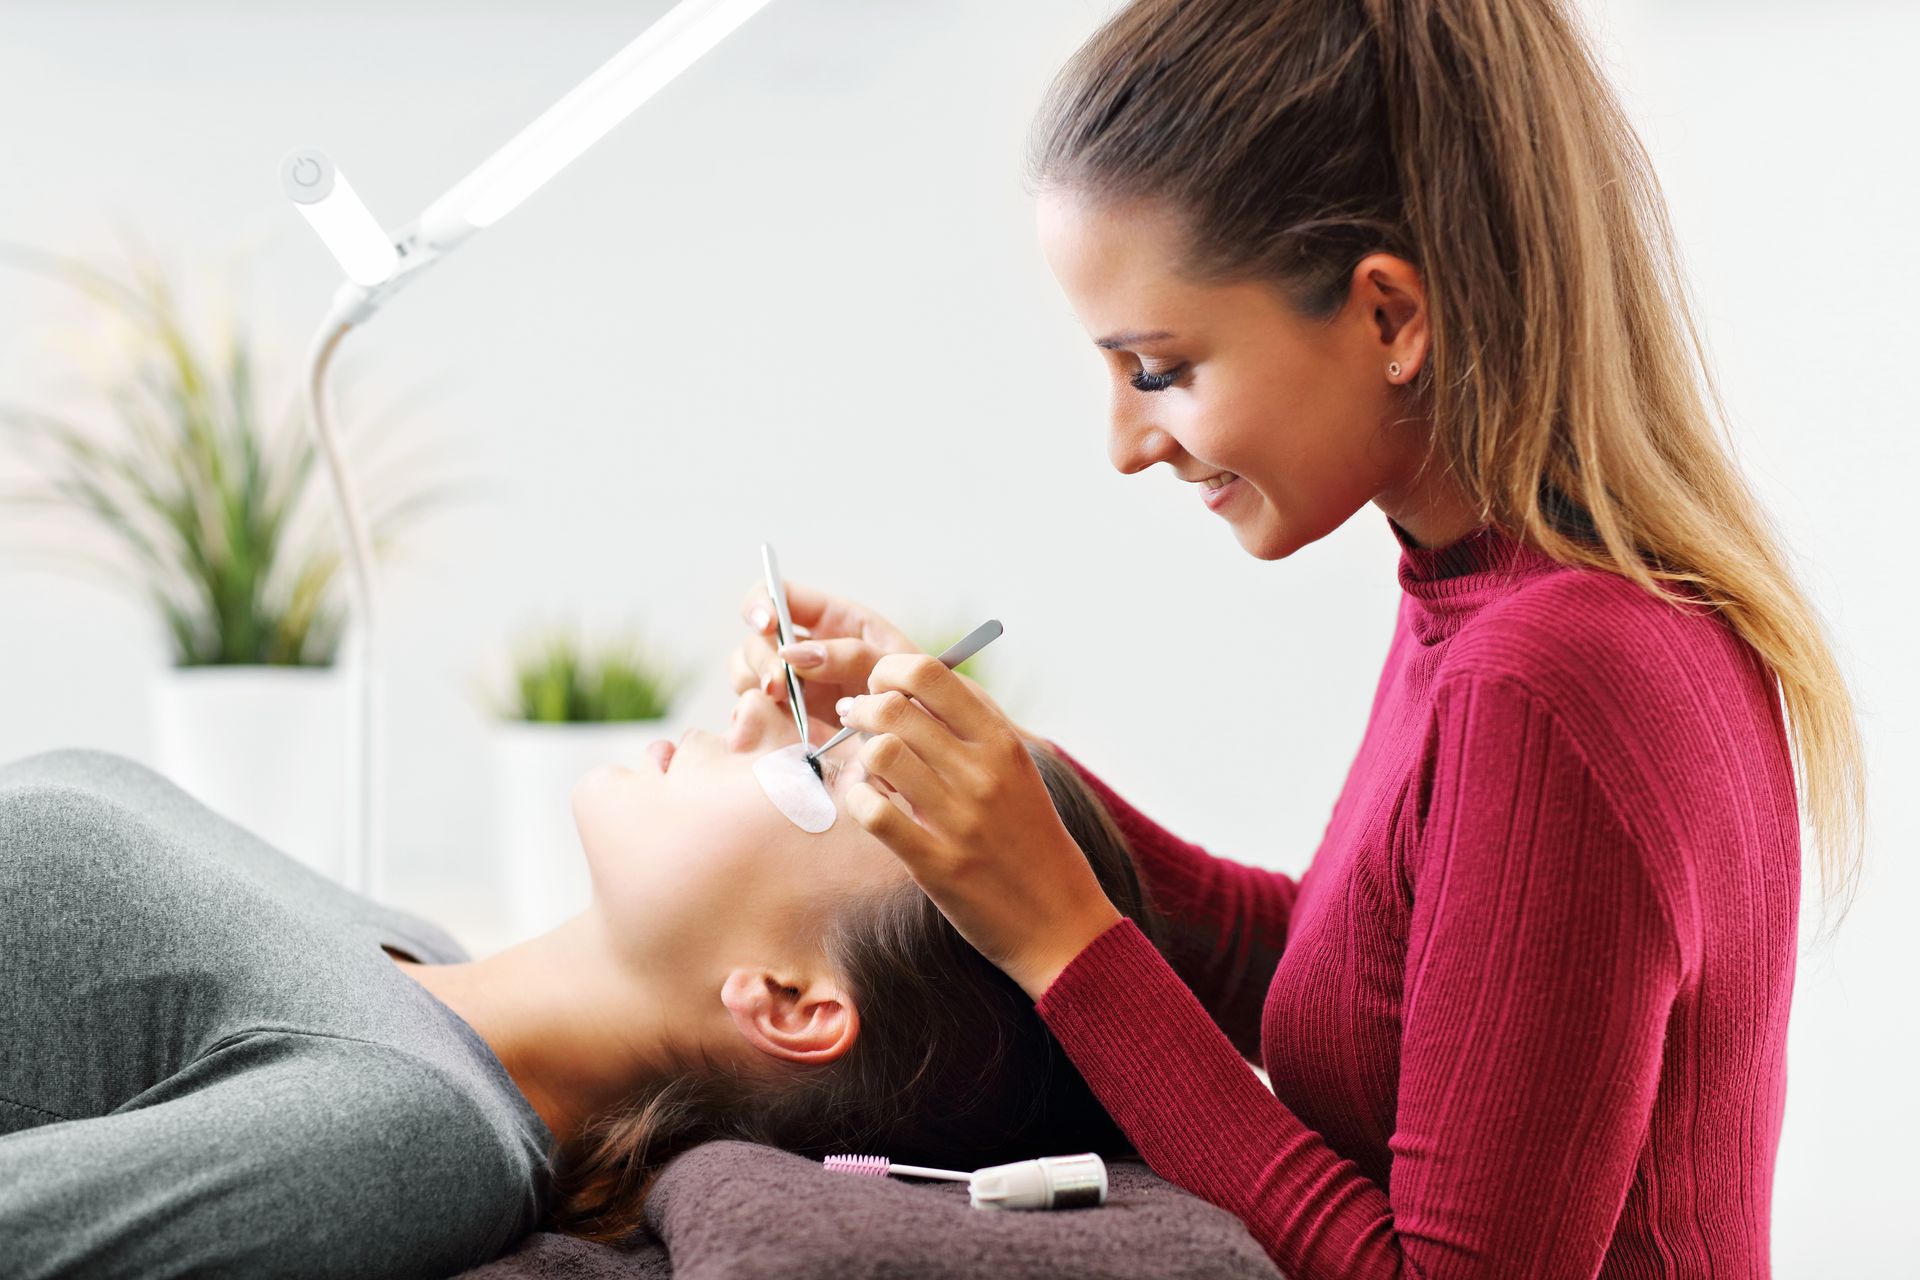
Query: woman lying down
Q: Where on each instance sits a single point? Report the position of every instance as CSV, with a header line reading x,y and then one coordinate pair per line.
x,y
214,1060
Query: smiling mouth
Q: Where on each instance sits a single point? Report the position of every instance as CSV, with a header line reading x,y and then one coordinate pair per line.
x,y
1220,481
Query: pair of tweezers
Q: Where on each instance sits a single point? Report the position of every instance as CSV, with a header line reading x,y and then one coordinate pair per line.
x,y
956,653
784,624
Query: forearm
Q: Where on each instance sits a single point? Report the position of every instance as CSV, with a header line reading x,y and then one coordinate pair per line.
x,y
1202,1119
1225,924
1481,1178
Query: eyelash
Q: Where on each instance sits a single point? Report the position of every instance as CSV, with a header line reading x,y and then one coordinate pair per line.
x,y
1144,381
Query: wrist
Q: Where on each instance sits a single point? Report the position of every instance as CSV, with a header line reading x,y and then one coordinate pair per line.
x,y
1068,942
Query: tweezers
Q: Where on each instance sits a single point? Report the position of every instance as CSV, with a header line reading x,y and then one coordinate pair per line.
x,y
956,653
784,622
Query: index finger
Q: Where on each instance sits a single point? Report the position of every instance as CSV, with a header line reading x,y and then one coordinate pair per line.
x,y
956,702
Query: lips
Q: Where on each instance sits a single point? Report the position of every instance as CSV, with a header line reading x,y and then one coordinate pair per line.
x,y
1218,495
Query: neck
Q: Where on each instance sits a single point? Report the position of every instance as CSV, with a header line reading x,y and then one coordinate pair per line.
x,y
1432,508
576,1025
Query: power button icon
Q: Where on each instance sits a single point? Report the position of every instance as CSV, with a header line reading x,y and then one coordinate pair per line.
x,y
307,175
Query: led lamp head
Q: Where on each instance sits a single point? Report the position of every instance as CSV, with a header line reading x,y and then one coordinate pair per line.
x,y
335,211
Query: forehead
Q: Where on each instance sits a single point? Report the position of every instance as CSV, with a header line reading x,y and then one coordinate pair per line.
x,y
1120,268
1117,262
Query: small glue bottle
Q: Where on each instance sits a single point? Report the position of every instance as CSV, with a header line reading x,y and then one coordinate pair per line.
x,y
1051,1182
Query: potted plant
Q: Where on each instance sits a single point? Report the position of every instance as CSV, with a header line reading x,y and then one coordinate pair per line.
x,y
574,704
202,504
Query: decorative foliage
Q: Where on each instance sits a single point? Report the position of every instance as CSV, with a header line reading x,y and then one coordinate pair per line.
x,y
561,679
191,484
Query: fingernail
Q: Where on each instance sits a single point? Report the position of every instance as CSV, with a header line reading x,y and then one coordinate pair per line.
x,y
761,617
804,655
843,706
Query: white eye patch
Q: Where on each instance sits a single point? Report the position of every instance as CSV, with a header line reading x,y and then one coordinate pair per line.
x,y
795,789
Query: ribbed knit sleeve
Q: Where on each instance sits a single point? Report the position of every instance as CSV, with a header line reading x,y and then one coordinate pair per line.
x,y
1540,971
1226,923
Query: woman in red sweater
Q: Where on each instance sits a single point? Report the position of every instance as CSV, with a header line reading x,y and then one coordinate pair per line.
x,y
1526,1011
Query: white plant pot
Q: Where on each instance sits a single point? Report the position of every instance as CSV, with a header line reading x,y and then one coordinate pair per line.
x,y
265,746
542,867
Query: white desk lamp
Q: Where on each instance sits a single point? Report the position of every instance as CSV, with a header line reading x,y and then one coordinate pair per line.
x,y
377,265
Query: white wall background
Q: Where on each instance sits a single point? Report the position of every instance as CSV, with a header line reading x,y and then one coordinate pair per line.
x,y
799,298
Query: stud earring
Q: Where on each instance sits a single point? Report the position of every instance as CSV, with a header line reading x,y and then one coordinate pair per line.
x,y
1393,370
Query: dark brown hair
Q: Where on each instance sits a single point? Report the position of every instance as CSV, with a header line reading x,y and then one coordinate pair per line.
x,y
952,1063
1567,387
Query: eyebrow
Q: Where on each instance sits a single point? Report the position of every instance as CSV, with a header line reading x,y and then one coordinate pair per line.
x,y
1130,339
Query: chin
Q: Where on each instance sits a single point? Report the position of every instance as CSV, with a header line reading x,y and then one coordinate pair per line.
x,y
600,775
607,798
589,786
1267,541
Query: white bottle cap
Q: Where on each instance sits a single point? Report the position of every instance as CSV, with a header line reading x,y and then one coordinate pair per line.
x,y
1051,1182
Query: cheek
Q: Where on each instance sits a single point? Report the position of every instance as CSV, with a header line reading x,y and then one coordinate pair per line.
x,y
1298,429
1240,421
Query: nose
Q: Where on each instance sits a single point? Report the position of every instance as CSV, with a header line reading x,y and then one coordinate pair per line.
x,y
1134,443
757,720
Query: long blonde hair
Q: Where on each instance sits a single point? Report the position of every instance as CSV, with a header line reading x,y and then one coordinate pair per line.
x,y
1568,386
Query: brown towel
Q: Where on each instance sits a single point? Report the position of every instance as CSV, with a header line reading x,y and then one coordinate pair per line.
x,y
552,1256
739,1211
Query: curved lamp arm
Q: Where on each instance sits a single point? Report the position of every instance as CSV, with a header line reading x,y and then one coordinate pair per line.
x,y
378,265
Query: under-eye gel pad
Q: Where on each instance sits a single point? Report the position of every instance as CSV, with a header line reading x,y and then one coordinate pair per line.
x,y
795,789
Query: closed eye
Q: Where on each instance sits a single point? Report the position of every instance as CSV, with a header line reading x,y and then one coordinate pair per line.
x,y
1144,381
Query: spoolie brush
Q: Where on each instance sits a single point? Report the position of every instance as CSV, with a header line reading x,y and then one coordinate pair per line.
x,y
880,1167
1051,1182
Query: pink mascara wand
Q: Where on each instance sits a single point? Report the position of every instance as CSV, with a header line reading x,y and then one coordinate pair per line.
x,y
880,1167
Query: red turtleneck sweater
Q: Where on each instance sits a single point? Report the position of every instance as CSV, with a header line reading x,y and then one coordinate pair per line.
x,y
1525,1014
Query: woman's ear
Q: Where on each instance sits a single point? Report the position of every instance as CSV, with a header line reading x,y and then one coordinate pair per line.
x,y
806,1020
1393,299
